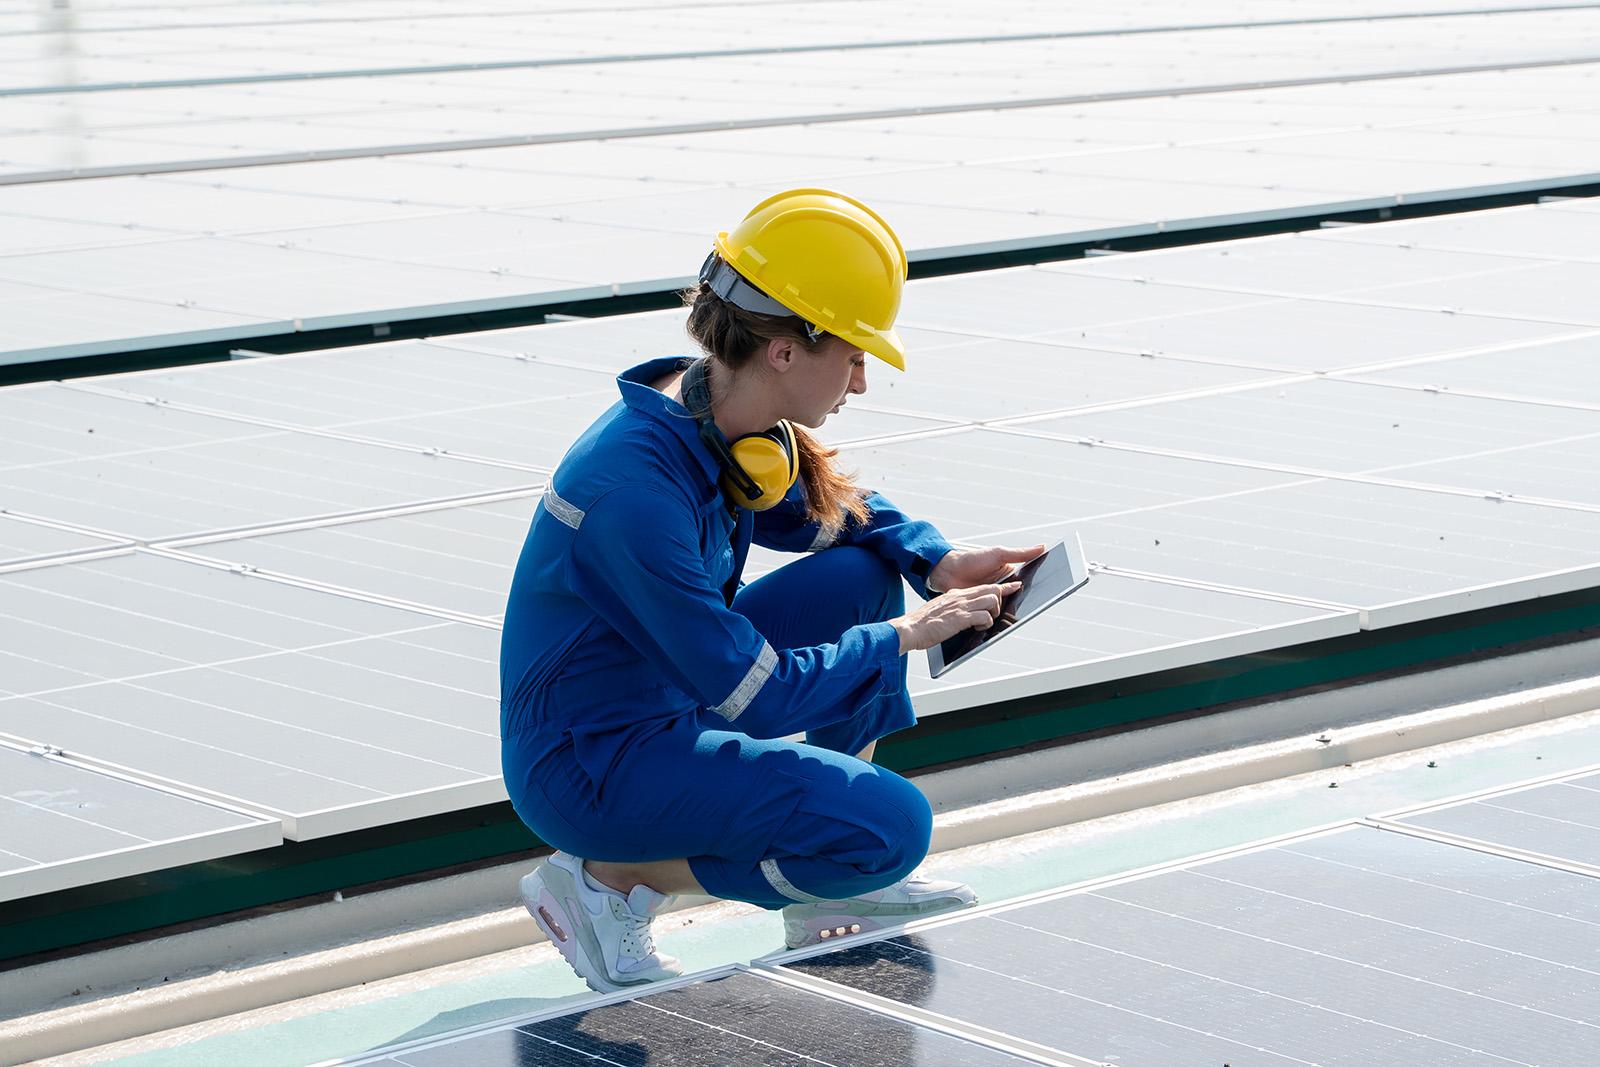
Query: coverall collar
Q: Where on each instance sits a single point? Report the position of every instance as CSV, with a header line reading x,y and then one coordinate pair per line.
x,y
634,384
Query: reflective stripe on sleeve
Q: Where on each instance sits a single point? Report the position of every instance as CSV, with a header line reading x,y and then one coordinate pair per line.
x,y
746,691
784,887
560,509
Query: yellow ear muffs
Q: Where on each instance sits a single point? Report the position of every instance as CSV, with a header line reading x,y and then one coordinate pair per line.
x,y
770,461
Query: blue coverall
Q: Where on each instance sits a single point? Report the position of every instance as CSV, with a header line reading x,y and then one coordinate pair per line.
x,y
644,686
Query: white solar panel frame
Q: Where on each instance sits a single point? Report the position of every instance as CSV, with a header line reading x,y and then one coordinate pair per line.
x,y
251,831
585,267
301,822
1394,820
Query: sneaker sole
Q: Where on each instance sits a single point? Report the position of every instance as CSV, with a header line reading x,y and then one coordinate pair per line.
x,y
822,928
556,922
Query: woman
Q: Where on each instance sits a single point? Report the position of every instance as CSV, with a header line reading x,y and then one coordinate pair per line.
x,y
645,687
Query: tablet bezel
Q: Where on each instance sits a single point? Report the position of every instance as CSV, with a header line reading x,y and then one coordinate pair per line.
x,y
1077,568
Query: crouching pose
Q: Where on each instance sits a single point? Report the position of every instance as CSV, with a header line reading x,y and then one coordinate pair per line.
x,y
646,689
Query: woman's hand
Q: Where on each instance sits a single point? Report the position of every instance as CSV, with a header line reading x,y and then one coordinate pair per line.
x,y
962,568
950,613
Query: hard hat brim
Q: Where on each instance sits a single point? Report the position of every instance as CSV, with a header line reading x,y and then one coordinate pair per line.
x,y
885,344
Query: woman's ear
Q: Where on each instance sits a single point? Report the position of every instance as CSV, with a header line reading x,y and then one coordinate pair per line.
x,y
780,355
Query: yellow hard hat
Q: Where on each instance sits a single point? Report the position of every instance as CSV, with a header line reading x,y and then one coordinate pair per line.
x,y
823,256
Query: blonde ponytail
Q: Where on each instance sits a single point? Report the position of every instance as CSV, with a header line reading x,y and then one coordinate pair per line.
x,y
832,496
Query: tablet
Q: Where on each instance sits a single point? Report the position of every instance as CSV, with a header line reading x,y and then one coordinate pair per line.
x,y
1045,581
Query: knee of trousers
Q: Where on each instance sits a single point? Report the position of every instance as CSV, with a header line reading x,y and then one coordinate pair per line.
x,y
873,580
908,847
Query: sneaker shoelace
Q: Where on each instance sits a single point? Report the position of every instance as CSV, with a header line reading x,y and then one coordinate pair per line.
x,y
637,941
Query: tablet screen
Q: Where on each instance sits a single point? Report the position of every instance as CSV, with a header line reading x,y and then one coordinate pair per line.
x,y
1045,580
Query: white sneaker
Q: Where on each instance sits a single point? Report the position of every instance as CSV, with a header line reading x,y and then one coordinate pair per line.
x,y
602,934
911,898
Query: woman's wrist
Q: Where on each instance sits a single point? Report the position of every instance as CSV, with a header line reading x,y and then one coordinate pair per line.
x,y
902,627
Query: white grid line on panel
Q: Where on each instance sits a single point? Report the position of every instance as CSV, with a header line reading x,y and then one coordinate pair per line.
x,y
135,840
601,1000
1282,379
134,453
158,854
431,624
853,44
1479,250
299,582
227,710
1370,476
66,475
812,118
51,559
1480,844
1014,531
163,782
1238,932
1390,922
1394,814
477,789
1367,823
1340,622
1263,991
51,524
56,755
1481,394
930,1020
222,605
331,432
330,518
216,565
1213,587
345,518
1060,892
1186,357
1269,295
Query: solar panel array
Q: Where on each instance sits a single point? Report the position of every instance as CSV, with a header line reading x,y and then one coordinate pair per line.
x,y
275,584
1362,945
612,171
140,44
1554,822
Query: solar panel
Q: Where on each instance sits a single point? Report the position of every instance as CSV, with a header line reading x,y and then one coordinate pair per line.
x,y
395,481
1556,820
1398,554
1294,265
379,387
1356,946
374,240
1554,372
1363,943
1308,335
1343,426
1552,233
167,472
959,376
64,824
22,540
455,560
326,712
741,1018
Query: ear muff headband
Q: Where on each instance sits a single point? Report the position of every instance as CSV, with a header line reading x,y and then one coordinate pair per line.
x,y
758,469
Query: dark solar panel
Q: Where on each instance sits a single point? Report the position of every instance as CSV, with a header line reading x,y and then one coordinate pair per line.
x,y
1359,947
1560,820
743,1019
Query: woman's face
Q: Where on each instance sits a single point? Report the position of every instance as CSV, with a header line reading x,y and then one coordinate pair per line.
x,y
825,380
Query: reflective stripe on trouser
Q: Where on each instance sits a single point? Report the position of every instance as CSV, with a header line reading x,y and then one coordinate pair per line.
x,y
765,821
